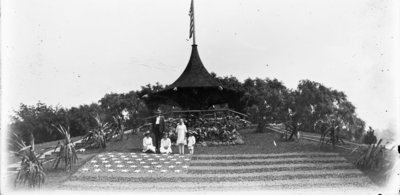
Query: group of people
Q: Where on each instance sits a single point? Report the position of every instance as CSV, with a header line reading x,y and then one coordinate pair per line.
x,y
164,145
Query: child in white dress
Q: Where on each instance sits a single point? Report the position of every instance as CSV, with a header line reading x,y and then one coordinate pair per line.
x,y
181,132
165,145
148,143
191,142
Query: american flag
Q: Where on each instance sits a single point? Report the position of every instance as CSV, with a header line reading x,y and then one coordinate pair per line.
x,y
191,14
215,172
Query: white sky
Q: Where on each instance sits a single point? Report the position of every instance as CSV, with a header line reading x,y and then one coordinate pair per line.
x,y
74,52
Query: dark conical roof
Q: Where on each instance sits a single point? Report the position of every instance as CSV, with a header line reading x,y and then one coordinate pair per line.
x,y
195,88
195,74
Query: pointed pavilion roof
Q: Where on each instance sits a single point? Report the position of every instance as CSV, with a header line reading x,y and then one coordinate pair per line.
x,y
195,88
195,74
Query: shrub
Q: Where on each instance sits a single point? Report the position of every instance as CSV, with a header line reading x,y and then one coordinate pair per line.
x,y
96,138
376,157
370,138
67,152
31,169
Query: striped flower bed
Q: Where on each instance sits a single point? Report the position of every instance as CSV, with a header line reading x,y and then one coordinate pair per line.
x,y
220,172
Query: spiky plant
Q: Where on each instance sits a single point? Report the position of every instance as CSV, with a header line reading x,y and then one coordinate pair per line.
x,y
67,152
372,157
96,138
119,127
31,170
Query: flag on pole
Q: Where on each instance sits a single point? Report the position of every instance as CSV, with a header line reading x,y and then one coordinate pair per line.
x,y
191,14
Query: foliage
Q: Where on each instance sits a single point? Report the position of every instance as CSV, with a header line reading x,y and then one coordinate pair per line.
x,y
370,138
81,118
313,101
266,101
211,129
119,127
376,157
96,137
31,169
67,152
37,120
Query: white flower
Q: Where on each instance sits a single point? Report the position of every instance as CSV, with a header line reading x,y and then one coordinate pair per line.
x,y
97,170
110,170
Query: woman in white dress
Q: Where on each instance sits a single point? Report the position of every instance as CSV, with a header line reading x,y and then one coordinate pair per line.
x,y
148,143
181,132
165,145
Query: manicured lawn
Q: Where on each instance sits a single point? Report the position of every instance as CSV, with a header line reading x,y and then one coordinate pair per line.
x,y
255,143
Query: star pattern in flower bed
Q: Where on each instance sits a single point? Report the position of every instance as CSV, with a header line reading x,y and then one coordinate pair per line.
x,y
131,163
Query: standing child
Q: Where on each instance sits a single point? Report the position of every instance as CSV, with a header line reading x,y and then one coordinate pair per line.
x,y
181,132
191,142
165,145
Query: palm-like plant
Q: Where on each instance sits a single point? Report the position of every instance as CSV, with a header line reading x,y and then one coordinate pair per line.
x,y
119,127
372,157
67,152
96,138
31,169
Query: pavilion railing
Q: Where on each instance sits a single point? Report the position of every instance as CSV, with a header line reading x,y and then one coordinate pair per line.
x,y
202,113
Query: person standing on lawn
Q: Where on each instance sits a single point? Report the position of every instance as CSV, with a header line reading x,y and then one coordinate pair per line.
x,y
158,129
181,132
191,142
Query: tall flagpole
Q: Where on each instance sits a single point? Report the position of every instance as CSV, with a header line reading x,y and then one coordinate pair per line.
x,y
194,26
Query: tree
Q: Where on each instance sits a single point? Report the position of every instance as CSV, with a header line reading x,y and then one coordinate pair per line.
x,y
370,138
37,120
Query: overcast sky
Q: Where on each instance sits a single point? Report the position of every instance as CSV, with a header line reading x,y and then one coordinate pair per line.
x,y
74,52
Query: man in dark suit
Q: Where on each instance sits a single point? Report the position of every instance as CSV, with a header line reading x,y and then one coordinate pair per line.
x,y
158,129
